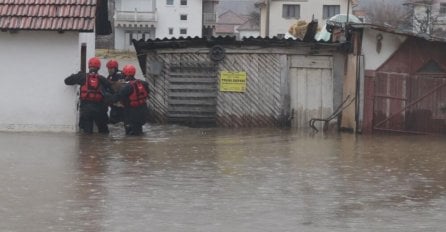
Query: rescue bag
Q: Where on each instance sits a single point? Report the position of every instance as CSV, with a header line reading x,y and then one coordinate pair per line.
x,y
90,90
139,94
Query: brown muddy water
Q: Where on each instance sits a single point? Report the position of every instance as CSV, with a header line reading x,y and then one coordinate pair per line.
x,y
187,179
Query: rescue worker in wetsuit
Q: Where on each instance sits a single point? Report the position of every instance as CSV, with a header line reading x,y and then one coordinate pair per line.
x,y
116,79
93,91
133,95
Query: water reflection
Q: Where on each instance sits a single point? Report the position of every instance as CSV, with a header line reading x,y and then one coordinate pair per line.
x,y
182,179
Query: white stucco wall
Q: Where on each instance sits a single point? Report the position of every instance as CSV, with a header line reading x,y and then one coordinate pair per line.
x,y
248,34
169,17
280,25
131,5
120,39
389,44
33,94
90,40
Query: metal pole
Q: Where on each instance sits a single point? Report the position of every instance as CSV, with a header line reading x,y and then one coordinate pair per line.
x,y
268,9
348,10
83,57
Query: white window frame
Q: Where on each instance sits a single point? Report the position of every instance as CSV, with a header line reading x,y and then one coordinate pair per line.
x,y
442,10
329,11
287,11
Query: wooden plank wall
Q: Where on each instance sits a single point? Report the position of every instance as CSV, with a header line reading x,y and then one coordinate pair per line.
x,y
269,94
311,83
262,105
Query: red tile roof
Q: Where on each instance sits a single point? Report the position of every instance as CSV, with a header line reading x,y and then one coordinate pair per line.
x,y
57,15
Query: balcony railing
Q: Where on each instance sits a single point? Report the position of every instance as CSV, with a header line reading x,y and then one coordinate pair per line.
x,y
209,18
136,16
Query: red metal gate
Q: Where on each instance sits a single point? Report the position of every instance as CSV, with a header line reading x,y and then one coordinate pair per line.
x,y
412,104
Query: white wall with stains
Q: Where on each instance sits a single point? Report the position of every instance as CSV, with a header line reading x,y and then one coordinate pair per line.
x,y
33,96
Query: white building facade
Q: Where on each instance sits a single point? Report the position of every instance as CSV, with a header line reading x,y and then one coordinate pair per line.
x,y
35,97
150,19
38,55
276,16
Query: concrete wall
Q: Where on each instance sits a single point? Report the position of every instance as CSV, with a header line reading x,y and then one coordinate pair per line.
x,y
169,17
33,94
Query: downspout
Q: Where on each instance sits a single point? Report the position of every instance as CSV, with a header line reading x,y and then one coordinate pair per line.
x,y
83,67
348,10
268,9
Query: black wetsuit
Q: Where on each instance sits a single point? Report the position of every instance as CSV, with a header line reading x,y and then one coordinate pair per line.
x,y
116,111
92,112
134,117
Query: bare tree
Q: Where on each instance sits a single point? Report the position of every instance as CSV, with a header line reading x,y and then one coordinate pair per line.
x,y
386,13
418,16
423,17
255,17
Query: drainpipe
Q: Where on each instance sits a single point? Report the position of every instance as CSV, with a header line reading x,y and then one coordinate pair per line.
x,y
83,67
348,10
268,9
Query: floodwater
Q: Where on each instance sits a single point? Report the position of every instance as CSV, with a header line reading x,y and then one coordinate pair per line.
x,y
188,179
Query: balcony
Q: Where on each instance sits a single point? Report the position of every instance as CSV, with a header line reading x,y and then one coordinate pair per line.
x,y
209,19
135,18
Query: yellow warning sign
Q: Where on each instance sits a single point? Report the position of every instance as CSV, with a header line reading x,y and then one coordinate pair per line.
x,y
232,81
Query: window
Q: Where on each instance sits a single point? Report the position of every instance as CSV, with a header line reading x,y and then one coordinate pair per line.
x,y
130,38
183,2
443,9
170,31
169,2
183,31
330,11
183,17
291,11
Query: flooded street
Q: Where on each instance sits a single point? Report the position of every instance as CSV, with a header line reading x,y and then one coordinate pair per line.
x,y
187,179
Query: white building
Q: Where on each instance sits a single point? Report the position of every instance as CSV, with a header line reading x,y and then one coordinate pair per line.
x,y
39,49
276,16
150,19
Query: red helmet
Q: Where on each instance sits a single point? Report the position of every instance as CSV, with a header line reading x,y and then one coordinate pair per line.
x,y
94,62
129,70
112,64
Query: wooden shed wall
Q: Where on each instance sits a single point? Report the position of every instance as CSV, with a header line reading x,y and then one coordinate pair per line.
x,y
266,101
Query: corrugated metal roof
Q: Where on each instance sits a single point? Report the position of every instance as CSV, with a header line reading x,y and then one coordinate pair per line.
x,y
398,31
187,42
54,15
184,42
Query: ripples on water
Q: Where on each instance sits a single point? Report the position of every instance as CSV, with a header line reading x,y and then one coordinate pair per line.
x,y
187,179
